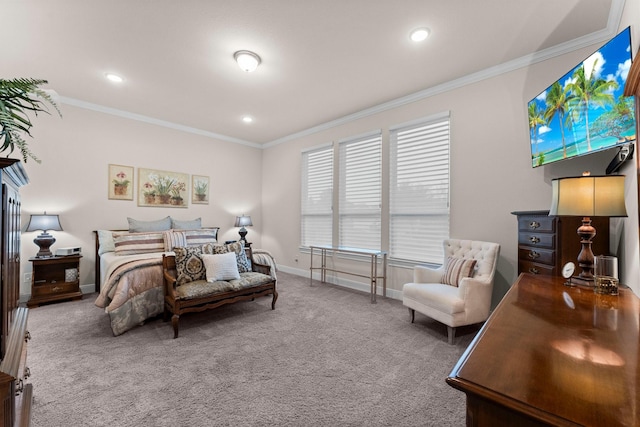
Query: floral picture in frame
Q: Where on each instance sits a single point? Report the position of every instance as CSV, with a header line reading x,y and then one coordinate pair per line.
x,y
199,189
162,188
120,182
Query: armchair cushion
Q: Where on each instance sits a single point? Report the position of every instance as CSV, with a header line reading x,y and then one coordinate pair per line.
x,y
457,269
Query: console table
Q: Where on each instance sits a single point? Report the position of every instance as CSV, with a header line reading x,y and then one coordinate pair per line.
x,y
374,258
554,355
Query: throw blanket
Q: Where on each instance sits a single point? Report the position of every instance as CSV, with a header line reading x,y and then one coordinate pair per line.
x,y
132,293
263,257
129,280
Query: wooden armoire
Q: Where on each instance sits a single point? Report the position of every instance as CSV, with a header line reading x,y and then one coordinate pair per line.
x,y
15,393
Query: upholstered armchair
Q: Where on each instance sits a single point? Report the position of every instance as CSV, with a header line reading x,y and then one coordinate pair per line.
x,y
459,292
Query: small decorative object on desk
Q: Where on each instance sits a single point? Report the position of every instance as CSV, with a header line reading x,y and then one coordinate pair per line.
x,y
70,274
606,275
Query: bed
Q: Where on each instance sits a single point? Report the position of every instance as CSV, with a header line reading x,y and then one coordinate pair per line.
x,y
128,268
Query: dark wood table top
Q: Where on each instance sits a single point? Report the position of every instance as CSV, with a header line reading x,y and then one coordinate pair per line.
x,y
559,354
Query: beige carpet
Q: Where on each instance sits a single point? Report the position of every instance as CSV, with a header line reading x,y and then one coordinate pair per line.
x,y
324,357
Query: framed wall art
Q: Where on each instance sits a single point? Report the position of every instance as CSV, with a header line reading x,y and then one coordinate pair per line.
x,y
199,190
162,188
120,182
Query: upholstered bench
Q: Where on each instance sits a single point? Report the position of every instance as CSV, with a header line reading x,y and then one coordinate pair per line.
x,y
196,279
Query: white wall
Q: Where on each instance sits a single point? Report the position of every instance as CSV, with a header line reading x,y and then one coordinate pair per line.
x,y
491,173
72,179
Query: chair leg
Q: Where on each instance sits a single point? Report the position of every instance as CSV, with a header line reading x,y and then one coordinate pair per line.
x,y
451,333
412,313
174,321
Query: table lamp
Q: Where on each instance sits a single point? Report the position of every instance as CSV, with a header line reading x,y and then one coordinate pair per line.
x,y
588,196
243,221
44,241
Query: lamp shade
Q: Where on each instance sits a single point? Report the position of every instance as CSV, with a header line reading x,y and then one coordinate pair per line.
x,y
589,196
44,222
243,221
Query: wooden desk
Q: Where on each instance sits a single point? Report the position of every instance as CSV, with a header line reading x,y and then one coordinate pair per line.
x,y
554,355
374,257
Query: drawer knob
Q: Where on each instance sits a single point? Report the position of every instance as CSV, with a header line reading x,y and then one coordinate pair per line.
x,y
534,224
534,239
534,254
533,270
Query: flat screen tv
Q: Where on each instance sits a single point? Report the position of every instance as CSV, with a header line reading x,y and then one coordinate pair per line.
x,y
584,111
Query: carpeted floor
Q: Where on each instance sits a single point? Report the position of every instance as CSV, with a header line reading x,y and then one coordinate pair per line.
x,y
324,357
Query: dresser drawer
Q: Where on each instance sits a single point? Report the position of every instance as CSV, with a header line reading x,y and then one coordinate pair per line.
x,y
534,268
537,240
540,256
537,223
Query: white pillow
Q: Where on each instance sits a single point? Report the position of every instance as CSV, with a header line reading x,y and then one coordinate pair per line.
x,y
105,239
221,266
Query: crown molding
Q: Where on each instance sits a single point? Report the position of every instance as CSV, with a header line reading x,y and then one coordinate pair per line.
x,y
146,119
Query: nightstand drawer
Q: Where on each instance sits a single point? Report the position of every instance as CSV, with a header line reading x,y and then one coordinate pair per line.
x,y
540,256
55,288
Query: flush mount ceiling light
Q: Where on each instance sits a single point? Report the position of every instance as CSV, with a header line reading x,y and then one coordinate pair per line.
x,y
247,119
114,77
420,34
247,60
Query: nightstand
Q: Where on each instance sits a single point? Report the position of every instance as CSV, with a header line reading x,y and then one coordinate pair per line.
x,y
55,279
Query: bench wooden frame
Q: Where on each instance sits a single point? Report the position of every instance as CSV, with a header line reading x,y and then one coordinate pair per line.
x,y
175,306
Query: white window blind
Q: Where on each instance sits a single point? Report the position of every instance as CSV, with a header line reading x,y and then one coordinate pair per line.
x,y
419,191
317,197
360,192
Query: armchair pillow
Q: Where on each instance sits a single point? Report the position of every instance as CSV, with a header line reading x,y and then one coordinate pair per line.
x,y
457,269
221,267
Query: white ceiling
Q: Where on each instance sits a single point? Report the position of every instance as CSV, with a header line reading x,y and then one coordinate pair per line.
x,y
322,60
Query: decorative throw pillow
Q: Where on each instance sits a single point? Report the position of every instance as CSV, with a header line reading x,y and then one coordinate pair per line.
x,y
457,269
137,226
106,243
194,224
189,265
138,243
221,267
244,265
174,239
202,236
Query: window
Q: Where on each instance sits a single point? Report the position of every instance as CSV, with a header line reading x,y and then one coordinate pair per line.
x,y
360,191
317,197
419,190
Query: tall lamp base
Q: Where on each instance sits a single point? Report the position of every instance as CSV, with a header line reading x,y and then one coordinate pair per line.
x,y
44,242
585,258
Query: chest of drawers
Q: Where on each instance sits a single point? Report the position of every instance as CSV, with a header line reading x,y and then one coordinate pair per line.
x,y
546,243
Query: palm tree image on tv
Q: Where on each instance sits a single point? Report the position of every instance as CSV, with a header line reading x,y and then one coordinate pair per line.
x,y
585,111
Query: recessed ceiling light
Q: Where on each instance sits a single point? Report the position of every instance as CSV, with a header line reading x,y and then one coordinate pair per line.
x,y
247,60
247,119
114,77
420,34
